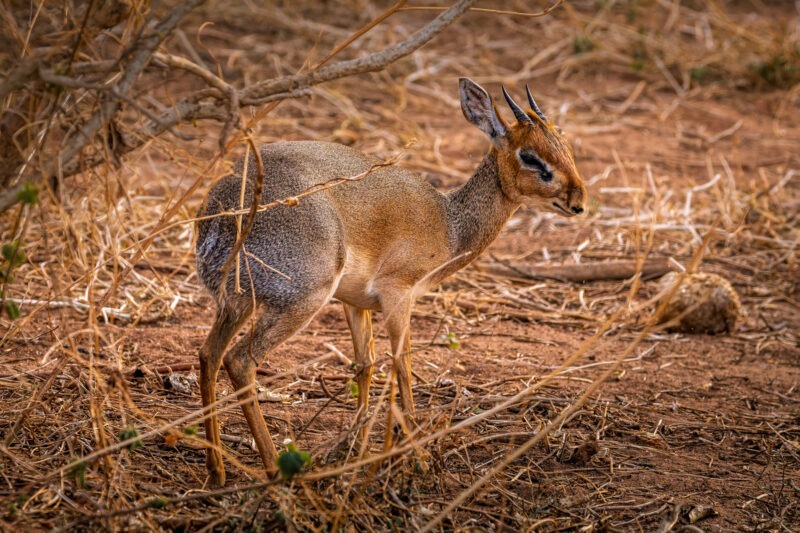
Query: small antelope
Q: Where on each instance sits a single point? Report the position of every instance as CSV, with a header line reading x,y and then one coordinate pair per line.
x,y
374,244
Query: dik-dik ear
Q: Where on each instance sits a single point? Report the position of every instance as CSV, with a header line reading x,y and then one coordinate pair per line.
x,y
478,109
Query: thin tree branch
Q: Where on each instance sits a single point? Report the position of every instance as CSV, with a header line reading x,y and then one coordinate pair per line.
x,y
139,57
193,107
206,104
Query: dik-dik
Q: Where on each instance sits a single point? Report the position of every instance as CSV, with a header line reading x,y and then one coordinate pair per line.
x,y
375,245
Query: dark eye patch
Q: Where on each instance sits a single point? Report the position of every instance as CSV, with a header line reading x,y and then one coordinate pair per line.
x,y
530,160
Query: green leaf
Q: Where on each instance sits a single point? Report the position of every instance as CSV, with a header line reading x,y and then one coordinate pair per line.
x,y
353,386
130,433
292,461
11,308
190,431
29,194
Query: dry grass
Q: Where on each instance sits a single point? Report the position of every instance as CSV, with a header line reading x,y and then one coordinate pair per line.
x,y
534,408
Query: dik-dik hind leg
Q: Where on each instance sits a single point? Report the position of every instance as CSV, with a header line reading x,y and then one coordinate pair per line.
x,y
226,324
271,328
360,322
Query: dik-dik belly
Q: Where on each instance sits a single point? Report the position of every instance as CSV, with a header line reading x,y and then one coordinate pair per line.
x,y
368,279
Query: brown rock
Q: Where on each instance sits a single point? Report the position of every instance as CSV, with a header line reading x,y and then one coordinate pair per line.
x,y
704,303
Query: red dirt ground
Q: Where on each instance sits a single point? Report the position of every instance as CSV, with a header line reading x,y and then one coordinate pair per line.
x,y
690,422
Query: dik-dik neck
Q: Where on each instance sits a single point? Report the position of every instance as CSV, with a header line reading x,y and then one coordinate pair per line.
x,y
477,212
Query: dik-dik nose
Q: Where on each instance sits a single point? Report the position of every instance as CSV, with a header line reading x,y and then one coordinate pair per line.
x,y
576,201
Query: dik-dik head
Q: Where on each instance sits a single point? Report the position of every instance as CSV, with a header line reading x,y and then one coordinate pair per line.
x,y
534,160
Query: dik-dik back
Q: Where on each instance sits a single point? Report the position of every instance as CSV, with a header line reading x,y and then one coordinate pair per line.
x,y
378,220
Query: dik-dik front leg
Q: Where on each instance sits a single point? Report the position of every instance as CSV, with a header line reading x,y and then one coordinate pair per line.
x,y
360,322
397,312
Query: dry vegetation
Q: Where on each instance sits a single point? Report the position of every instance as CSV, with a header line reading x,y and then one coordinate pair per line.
x,y
544,404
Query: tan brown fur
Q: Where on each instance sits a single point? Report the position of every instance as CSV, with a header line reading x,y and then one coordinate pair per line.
x,y
374,244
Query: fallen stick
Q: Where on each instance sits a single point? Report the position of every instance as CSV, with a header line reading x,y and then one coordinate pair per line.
x,y
612,270
184,367
527,316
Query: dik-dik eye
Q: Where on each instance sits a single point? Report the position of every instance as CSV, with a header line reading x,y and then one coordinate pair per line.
x,y
531,161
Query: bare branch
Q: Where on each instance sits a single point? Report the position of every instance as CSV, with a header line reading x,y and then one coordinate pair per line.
x,y
199,71
139,57
215,81
371,63
219,101
193,108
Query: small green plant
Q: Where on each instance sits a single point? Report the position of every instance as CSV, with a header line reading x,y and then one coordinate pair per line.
x,y
700,73
452,341
190,431
12,253
353,388
582,44
78,473
782,70
29,194
159,502
130,433
292,461
11,309
638,57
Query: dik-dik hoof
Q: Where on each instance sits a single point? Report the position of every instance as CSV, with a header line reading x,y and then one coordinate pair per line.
x,y
216,473
216,479
409,422
404,427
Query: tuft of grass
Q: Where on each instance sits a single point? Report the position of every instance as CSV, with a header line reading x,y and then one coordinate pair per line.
x,y
130,433
781,70
582,44
700,73
78,473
